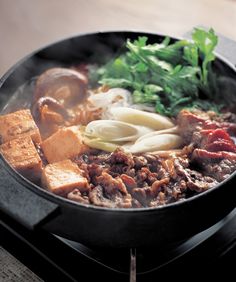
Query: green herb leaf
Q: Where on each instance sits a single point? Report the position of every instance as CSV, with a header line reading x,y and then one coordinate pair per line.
x,y
167,75
205,42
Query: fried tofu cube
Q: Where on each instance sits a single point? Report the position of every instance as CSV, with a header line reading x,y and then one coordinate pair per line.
x,y
23,156
64,144
63,177
19,123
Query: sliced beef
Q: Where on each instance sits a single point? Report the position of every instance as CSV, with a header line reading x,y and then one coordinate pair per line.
x,y
99,197
110,184
216,164
140,161
119,156
194,180
158,184
77,196
143,195
204,155
214,150
94,170
145,177
120,162
153,161
160,193
189,123
179,190
220,170
129,182
217,154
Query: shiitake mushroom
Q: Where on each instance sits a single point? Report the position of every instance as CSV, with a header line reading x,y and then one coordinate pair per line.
x,y
65,85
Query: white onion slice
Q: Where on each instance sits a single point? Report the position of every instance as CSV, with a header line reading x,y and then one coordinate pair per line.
x,y
156,143
172,130
115,131
137,117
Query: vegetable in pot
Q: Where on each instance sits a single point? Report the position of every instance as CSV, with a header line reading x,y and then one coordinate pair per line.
x,y
169,76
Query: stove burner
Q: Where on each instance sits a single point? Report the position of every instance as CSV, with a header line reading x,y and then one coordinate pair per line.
x,y
211,249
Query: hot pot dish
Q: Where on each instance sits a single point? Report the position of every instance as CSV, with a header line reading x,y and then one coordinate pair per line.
x,y
149,126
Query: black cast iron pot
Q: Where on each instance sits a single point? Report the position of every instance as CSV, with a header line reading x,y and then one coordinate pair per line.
x,y
35,207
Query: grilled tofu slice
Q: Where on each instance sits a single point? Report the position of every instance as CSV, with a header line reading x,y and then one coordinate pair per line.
x,y
23,156
63,177
64,144
19,123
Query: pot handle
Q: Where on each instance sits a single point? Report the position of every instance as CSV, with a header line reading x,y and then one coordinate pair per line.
x,y
226,47
20,203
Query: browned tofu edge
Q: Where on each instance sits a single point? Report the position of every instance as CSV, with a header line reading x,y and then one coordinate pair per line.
x,y
11,133
30,171
66,188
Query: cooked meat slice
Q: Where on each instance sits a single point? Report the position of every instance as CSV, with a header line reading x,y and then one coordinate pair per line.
x,y
221,145
219,140
120,162
220,170
129,182
213,140
66,143
153,161
218,164
215,153
199,183
158,184
169,166
109,191
152,195
194,180
110,184
63,177
188,123
94,170
119,156
99,197
178,190
139,161
143,195
23,156
77,196
201,155
144,175
19,123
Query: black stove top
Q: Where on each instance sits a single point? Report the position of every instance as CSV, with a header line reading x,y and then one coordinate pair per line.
x,y
53,258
